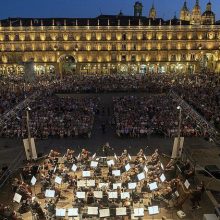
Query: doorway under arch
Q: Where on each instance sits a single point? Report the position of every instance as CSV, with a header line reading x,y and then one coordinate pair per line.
x,y
67,64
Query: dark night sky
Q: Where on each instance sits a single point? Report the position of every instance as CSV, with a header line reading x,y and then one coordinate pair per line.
x,y
92,8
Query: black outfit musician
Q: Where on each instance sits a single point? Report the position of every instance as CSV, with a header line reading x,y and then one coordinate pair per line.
x,y
90,198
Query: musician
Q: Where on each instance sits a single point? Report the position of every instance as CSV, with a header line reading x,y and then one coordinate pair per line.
x,y
84,155
51,208
36,208
53,154
140,153
90,197
106,149
124,154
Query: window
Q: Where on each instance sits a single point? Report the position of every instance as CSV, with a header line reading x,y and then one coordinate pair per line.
x,y
133,58
123,58
124,37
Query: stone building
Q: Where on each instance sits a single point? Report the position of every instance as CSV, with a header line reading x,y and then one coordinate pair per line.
x,y
112,43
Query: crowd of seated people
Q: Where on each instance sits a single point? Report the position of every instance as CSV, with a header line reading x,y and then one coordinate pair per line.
x,y
52,115
200,90
144,115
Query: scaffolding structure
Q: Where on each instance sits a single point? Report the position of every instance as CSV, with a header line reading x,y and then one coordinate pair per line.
x,y
194,115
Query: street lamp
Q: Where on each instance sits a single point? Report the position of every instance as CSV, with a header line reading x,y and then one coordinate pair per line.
x,y
29,132
179,131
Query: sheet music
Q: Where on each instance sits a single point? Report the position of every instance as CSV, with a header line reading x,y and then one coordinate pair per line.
x,y
162,178
55,169
132,185
90,183
104,213
58,180
81,195
93,164
112,195
60,212
141,176
177,194
103,185
110,163
187,184
73,212
116,172
17,198
138,212
33,181
128,167
74,168
153,210
116,185
125,195
153,186
50,193
121,211
81,183
86,173
98,194
92,210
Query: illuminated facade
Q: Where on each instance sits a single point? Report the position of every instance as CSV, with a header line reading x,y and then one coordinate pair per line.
x,y
112,44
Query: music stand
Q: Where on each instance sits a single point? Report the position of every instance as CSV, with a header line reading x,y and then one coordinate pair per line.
x,y
177,194
121,211
116,172
86,173
146,169
60,212
90,183
162,178
74,168
187,184
81,183
125,195
153,186
58,180
17,198
73,212
132,185
127,167
112,195
98,194
153,210
93,164
110,163
81,195
104,213
116,185
33,181
93,210
141,176
50,193
138,212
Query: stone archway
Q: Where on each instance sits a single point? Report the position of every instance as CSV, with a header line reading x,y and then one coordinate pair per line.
x,y
67,65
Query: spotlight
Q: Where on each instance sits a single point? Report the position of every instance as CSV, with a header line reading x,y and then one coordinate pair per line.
x,y
28,108
178,107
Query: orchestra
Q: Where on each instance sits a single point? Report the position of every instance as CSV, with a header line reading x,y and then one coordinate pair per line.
x,y
130,171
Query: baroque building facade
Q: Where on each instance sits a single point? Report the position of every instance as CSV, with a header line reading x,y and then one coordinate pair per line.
x,y
112,43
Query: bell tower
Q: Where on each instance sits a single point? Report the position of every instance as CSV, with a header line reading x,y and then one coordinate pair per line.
x,y
138,7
